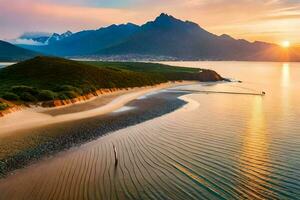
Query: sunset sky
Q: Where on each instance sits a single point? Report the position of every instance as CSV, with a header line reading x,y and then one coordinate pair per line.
x,y
267,20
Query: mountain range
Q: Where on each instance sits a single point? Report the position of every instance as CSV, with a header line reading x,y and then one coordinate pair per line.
x,y
87,42
164,38
42,38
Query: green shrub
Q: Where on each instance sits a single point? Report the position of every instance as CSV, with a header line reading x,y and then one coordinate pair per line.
x,y
26,96
111,85
88,89
23,88
64,88
10,96
69,88
69,94
46,95
62,96
3,106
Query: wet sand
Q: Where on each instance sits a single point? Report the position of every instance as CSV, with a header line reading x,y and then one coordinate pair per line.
x,y
20,147
37,117
146,108
87,105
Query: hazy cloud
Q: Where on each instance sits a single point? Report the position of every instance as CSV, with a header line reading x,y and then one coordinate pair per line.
x,y
26,42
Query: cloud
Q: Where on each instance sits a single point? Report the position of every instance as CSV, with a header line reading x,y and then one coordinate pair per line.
x,y
26,42
27,35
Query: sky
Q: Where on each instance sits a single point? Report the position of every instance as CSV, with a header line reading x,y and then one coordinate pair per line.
x,y
263,20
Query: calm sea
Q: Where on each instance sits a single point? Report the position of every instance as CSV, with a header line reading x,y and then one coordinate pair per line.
x,y
218,146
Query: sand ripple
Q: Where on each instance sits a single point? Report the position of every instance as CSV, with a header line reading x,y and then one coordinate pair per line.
x,y
182,155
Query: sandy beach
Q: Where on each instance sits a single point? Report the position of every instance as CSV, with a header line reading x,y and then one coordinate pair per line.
x,y
38,116
41,132
49,165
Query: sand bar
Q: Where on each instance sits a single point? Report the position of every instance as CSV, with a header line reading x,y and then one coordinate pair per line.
x,y
34,117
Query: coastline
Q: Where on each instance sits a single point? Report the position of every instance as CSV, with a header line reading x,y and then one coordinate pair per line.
x,y
189,105
36,117
27,146
55,104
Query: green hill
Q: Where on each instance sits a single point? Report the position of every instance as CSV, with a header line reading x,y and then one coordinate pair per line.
x,y
49,78
9,52
171,73
143,67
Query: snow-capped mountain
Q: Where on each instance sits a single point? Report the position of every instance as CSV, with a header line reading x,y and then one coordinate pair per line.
x,y
57,37
39,39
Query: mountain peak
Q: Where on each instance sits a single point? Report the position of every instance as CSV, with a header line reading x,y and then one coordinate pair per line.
x,y
55,35
67,33
131,24
165,17
118,26
226,36
166,20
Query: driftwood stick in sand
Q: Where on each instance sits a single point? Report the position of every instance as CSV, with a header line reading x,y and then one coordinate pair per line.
x,y
116,155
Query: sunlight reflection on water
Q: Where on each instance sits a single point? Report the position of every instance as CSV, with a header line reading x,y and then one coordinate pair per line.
x,y
226,147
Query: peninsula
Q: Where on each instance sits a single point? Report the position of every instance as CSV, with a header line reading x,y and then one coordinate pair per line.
x,y
52,82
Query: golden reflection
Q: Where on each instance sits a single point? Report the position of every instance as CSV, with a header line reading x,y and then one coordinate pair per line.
x,y
285,83
285,75
254,157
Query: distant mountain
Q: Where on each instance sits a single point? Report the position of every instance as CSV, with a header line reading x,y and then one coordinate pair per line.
x,y
55,37
9,52
88,42
39,39
165,37
170,37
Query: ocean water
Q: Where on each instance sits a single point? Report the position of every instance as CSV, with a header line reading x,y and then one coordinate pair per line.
x,y
217,146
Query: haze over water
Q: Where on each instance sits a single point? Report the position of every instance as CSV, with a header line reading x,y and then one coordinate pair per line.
x,y
218,146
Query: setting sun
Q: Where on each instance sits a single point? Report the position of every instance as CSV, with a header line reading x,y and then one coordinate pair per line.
x,y
286,44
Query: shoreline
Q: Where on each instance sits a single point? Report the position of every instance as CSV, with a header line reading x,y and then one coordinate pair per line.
x,y
189,105
26,147
57,104
34,117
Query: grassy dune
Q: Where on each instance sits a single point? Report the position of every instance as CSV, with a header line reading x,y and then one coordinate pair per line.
x,y
44,78
143,67
49,78
170,73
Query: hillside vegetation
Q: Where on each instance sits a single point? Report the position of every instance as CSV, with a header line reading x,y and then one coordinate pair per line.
x,y
170,73
3,105
49,78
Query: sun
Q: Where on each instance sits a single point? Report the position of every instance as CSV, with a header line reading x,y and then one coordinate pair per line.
x,y
285,44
